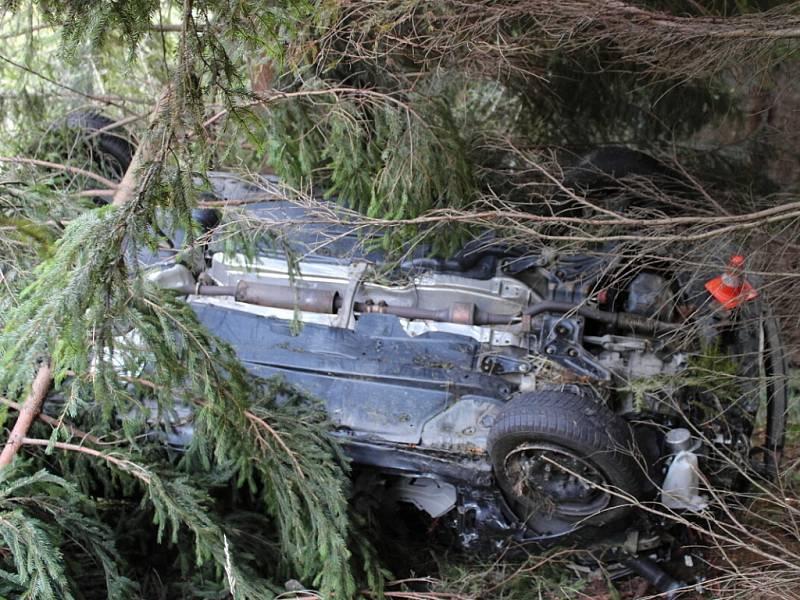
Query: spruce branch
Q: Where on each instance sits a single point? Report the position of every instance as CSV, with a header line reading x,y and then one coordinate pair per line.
x,y
101,99
124,464
91,288
179,504
343,92
50,530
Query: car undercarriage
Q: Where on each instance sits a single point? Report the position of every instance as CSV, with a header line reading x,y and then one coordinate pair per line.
x,y
514,395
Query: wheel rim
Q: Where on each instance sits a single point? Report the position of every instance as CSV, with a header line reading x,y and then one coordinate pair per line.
x,y
554,480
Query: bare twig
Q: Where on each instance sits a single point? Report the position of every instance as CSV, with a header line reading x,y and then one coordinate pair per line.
x,y
102,99
124,464
520,35
275,95
60,167
95,193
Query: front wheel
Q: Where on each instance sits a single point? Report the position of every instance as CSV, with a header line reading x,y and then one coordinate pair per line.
x,y
564,461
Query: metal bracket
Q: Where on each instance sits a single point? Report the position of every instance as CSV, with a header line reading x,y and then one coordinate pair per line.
x,y
561,341
345,319
498,364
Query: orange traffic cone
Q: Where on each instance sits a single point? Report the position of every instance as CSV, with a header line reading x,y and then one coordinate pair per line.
x,y
731,289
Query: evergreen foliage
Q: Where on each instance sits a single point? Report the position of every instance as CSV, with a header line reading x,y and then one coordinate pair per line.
x,y
87,308
44,522
436,103
385,158
86,287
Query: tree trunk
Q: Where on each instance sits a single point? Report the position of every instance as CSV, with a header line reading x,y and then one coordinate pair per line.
x,y
146,150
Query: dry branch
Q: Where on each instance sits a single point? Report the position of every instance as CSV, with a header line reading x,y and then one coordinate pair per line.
x,y
518,35
60,167
53,422
337,92
30,408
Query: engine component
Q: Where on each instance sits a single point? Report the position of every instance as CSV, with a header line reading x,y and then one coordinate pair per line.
x,y
731,289
680,489
175,277
330,301
463,426
434,497
499,364
561,340
557,455
464,313
615,319
655,575
294,297
433,290
649,296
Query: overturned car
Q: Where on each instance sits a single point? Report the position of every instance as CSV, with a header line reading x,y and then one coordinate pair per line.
x,y
513,395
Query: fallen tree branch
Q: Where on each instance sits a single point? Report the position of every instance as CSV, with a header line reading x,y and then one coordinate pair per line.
x,y
93,193
58,166
519,35
116,125
145,152
124,464
104,100
53,422
274,95
124,193
232,202
28,411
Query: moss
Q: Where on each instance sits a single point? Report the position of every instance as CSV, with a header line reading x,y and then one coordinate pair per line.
x,y
711,371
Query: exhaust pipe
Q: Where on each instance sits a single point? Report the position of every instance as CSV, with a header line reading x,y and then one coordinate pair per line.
x,y
329,302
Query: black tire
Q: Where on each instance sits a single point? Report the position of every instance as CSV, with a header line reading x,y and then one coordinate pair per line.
x,y
777,371
111,151
763,371
601,175
583,428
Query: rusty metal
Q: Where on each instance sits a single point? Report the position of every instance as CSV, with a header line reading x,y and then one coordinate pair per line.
x,y
526,322
207,290
463,313
330,301
616,319
405,312
278,296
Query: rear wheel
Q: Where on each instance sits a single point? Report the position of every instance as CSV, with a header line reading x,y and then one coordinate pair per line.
x,y
92,142
603,176
109,149
619,178
745,343
564,461
776,369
